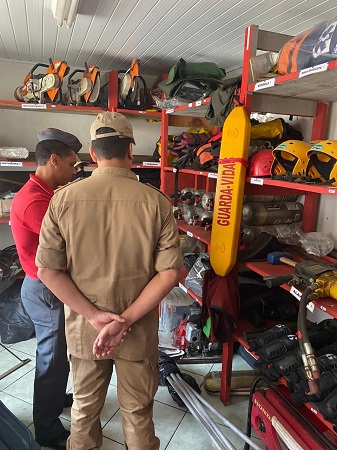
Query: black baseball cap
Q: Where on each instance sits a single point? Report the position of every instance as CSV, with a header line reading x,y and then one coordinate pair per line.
x,y
54,134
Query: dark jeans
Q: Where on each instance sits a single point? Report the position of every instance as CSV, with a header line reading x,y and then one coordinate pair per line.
x,y
52,367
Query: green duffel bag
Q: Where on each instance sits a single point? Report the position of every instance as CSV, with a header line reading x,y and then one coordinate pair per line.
x,y
192,81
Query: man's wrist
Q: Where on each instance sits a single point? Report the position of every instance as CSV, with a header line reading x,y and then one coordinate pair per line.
x,y
127,322
90,312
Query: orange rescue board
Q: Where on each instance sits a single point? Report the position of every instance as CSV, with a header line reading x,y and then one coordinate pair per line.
x,y
229,191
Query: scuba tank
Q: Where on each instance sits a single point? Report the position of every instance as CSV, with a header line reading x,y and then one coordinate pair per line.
x,y
269,198
271,213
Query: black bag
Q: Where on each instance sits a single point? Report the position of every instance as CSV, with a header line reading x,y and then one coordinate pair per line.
x,y
309,48
14,435
15,324
167,366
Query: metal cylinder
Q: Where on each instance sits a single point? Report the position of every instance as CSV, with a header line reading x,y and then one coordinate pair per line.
x,y
271,213
269,198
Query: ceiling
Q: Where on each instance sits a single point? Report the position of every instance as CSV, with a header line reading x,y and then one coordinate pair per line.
x,y
110,33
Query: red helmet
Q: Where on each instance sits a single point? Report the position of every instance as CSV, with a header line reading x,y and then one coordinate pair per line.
x,y
260,163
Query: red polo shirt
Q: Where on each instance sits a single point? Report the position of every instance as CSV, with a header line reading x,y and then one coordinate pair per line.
x,y
27,211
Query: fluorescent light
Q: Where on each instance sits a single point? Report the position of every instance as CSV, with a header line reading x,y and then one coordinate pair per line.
x,y
65,10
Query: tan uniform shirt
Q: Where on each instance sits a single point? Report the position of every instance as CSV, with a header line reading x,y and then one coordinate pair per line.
x,y
112,234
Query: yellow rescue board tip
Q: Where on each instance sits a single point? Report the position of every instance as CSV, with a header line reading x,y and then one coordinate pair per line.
x,y
229,191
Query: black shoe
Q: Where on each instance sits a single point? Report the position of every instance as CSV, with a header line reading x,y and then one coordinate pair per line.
x,y
68,401
57,444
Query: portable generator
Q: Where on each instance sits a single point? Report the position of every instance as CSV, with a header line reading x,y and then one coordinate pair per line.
x,y
281,426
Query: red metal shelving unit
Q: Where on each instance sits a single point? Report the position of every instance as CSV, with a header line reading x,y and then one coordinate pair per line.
x,y
195,231
280,96
302,94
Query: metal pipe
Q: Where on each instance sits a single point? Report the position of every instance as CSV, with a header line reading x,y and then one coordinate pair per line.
x,y
216,432
224,420
197,414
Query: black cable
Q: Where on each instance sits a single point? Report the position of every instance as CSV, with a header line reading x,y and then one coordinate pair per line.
x,y
302,317
250,407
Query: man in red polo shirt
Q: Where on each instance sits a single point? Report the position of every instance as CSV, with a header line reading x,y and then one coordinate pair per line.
x,y
55,158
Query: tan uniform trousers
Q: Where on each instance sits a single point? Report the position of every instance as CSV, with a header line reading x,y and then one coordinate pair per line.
x,y
137,384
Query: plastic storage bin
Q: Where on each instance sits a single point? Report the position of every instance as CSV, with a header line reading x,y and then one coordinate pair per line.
x,y
173,308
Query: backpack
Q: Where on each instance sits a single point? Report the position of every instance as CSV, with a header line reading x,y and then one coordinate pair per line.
x,y
206,156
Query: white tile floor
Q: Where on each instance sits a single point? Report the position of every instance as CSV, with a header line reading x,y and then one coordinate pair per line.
x,y
175,426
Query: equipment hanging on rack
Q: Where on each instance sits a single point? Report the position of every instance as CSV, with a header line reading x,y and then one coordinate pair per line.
x,y
36,87
85,89
132,90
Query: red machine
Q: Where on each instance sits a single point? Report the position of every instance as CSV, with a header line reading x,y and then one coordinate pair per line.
x,y
280,428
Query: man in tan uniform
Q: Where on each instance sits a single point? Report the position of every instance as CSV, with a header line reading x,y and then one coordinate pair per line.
x,y
119,244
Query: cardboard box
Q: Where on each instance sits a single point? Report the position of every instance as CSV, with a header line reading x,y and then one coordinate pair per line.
x,y
5,207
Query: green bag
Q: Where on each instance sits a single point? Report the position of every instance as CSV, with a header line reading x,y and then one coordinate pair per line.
x,y
222,102
192,81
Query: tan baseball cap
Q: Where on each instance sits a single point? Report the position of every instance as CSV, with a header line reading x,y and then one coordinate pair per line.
x,y
119,124
79,161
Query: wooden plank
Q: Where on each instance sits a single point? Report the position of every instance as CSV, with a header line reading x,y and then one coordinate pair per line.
x,y
270,41
283,105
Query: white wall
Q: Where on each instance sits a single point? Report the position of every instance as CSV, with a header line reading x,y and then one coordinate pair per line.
x,y
327,216
19,128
